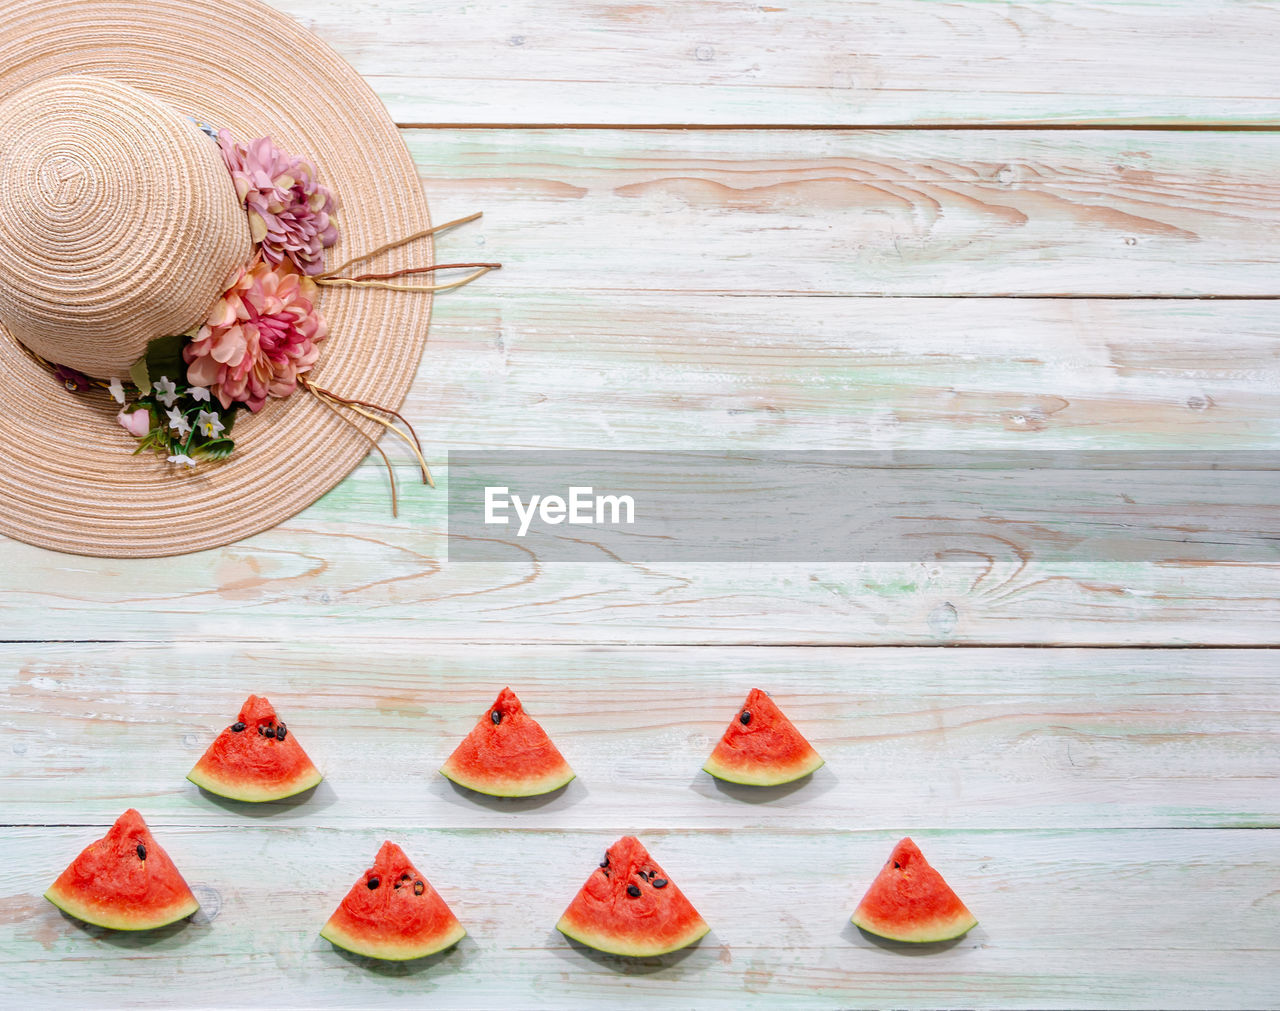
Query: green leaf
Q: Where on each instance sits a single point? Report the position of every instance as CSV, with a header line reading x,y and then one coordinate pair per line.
x,y
218,449
164,358
139,376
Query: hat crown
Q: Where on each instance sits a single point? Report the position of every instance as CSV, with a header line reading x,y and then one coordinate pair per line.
x,y
119,222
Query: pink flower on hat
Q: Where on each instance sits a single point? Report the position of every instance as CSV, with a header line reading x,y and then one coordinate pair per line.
x,y
290,213
137,423
260,336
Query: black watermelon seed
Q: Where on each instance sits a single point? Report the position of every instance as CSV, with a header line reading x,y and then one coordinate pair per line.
x,y
496,716
897,866
659,882
280,732
142,852
418,888
237,727
405,876
633,891
373,883
745,718
604,862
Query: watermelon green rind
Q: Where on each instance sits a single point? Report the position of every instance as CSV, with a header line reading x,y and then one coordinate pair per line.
x,y
511,758
611,944
655,921
389,951
502,787
249,766
945,929
909,901
252,793
111,884
393,921
767,750
764,775
102,916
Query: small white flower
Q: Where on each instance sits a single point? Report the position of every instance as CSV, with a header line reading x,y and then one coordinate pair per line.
x,y
178,422
199,393
165,390
210,424
183,459
116,388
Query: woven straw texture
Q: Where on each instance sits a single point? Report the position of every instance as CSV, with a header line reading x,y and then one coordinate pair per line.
x,y
69,480
143,216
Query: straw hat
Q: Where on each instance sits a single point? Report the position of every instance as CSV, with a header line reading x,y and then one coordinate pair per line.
x,y
119,223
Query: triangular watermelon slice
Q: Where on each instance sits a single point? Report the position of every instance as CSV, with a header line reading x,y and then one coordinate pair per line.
x,y
508,754
393,913
124,881
909,901
629,906
255,759
762,747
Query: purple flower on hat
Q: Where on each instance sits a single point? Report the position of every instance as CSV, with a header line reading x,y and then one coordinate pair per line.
x,y
76,382
290,213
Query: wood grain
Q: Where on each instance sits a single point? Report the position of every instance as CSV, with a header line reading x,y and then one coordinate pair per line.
x,y
817,62
914,739
839,212
1109,814
681,372
1067,919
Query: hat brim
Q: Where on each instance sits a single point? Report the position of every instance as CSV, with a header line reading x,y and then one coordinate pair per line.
x,y
69,479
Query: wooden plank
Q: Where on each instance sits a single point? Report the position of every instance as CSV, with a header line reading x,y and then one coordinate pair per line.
x,y
827,62
1068,919
913,738
682,372
919,212
668,371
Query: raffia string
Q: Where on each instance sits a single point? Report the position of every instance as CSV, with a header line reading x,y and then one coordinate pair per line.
x,y
411,439
391,474
334,279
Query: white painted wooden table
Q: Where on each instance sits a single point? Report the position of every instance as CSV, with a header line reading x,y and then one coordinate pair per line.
x,y
839,224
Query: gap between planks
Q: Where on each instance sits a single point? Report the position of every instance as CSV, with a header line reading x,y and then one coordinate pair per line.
x,y
1201,127
677,644
753,830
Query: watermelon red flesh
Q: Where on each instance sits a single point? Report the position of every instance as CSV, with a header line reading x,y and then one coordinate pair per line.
x,y
762,747
255,763
605,915
399,918
909,901
508,754
124,881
